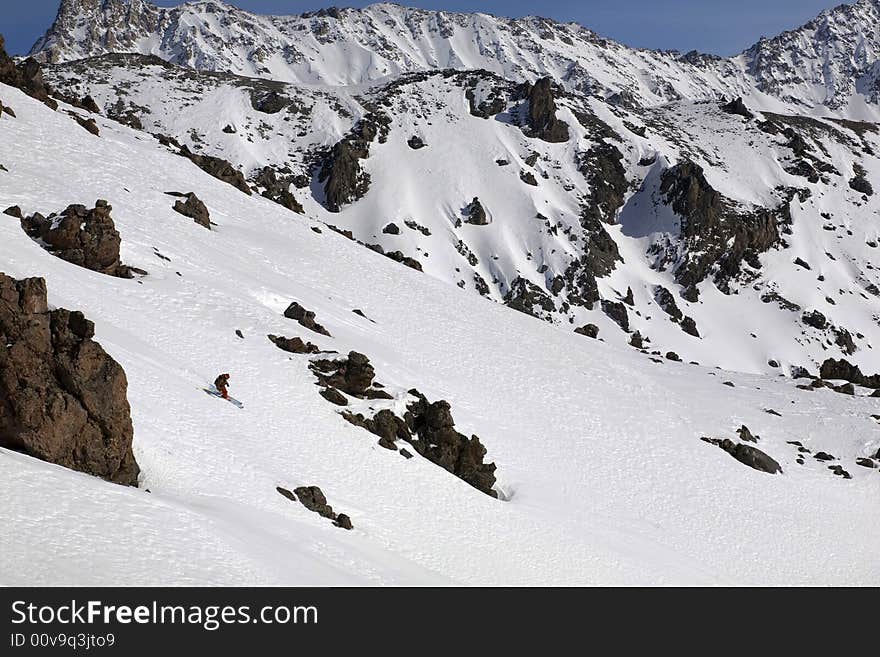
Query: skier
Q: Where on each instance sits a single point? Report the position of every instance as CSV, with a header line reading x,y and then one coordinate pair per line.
x,y
221,384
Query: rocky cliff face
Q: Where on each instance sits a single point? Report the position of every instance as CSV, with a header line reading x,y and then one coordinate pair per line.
x,y
62,398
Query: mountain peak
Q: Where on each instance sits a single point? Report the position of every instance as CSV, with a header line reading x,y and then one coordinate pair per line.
x,y
820,65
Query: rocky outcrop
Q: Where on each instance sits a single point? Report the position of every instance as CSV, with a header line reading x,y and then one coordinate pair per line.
x,y
437,440
717,237
860,182
218,168
589,330
63,399
666,300
344,180
602,166
528,298
353,375
689,326
541,115
84,237
599,258
278,189
747,455
815,319
415,142
27,76
294,345
306,318
86,123
314,500
616,311
192,207
476,213
397,256
487,107
737,106
270,102
843,369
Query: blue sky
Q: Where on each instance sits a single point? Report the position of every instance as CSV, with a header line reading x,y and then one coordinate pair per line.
x,y
724,27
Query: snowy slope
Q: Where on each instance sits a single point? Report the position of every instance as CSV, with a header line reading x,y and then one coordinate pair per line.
x,y
600,463
823,67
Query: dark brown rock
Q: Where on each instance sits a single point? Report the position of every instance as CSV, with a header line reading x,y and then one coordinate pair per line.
x,y
218,168
589,330
306,318
63,399
27,76
617,312
84,237
542,113
476,213
294,345
842,369
438,441
526,297
353,375
194,208
716,236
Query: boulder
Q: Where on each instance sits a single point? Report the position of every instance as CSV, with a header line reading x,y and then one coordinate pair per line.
x,y
438,441
476,213
82,236
306,318
353,375
737,106
192,207
63,399
843,369
589,330
294,345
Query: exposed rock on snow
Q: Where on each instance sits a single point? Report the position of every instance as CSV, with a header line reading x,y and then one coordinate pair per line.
x,y
27,76
84,237
62,398
294,345
843,369
617,312
528,298
344,179
717,237
278,189
305,318
353,375
476,213
193,208
542,113
748,455
438,441
219,168
589,330
314,500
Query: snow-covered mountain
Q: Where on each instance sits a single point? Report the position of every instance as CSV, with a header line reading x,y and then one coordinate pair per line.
x,y
823,67
589,230
345,210
602,474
